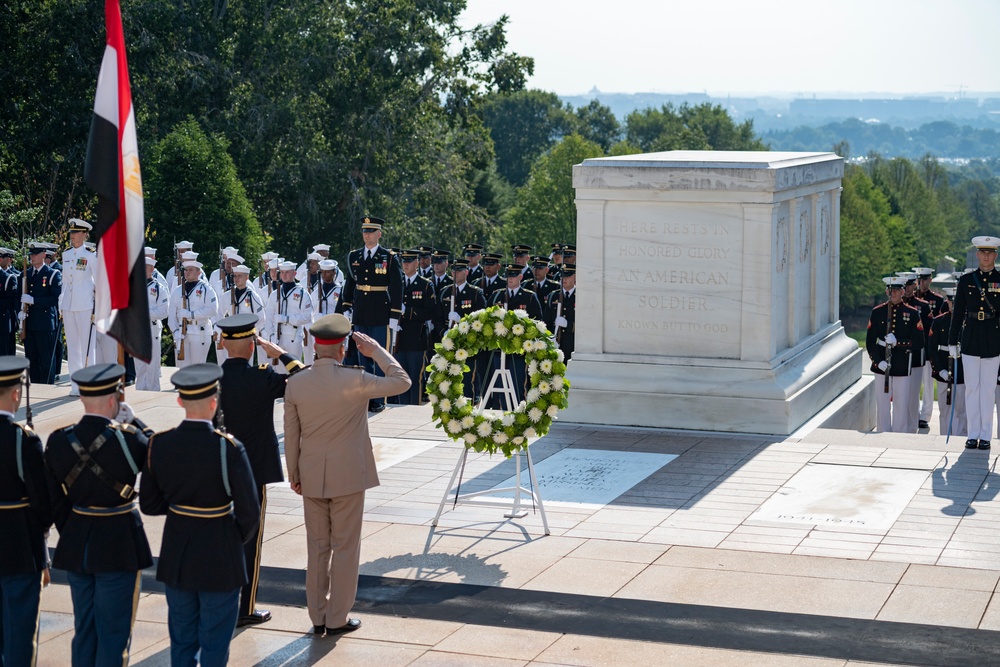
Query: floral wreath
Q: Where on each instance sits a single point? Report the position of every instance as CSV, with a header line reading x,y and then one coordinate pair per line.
x,y
512,332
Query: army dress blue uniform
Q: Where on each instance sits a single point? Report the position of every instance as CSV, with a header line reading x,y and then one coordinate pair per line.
x,y
520,299
25,516
563,303
200,478
467,299
904,323
10,302
42,323
247,395
413,339
102,544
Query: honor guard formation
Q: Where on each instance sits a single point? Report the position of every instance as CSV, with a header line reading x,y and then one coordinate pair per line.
x,y
920,342
336,343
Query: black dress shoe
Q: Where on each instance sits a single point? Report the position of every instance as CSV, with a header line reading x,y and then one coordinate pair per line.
x,y
971,443
375,409
922,424
984,444
255,618
319,629
351,625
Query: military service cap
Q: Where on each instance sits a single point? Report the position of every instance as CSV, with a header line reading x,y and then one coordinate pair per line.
x,y
6,252
894,282
440,256
426,250
99,380
372,223
569,250
907,276
922,271
409,255
330,329
512,270
568,270
539,261
557,248
521,249
472,249
78,225
243,325
459,265
198,381
34,248
986,242
491,258
12,370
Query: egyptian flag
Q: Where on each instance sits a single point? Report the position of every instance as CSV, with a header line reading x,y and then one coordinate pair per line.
x,y
112,169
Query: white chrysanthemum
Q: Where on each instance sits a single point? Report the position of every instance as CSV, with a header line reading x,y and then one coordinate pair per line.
x,y
470,438
552,411
448,343
532,367
544,387
500,437
534,414
484,429
559,355
520,407
546,365
454,369
439,362
517,329
461,354
518,440
500,313
557,382
454,426
477,326
529,432
432,398
542,329
445,405
528,347
461,402
468,421
523,314
507,419
443,387
533,395
499,329
463,328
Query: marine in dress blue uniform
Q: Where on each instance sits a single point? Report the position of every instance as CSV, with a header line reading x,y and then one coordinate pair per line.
x,y
42,323
200,478
951,389
10,302
413,339
92,469
25,516
247,395
373,294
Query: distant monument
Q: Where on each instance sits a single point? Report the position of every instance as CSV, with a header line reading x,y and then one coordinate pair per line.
x,y
709,292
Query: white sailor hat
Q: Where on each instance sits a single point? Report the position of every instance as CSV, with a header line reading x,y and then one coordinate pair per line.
x,y
242,268
149,251
321,246
192,263
922,271
229,251
239,260
150,261
327,265
894,281
314,256
268,256
78,225
986,242
190,255
286,266
184,245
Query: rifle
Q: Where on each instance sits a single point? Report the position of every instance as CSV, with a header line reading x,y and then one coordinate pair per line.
x,y
232,308
24,291
184,323
559,306
888,348
274,362
451,323
27,401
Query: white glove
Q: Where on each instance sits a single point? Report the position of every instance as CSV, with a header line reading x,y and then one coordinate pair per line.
x,y
404,309
185,314
21,315
125,414
883,366
28,299
561,322
349,314
430,326
281,319
953,351
178,337
454,317
890,339
394,324
944,375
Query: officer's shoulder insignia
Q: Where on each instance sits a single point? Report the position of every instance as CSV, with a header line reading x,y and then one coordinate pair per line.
x,y
360,368
263,367
227,436
29,431
128,428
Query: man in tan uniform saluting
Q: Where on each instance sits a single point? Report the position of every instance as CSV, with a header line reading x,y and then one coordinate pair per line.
x,y
331,464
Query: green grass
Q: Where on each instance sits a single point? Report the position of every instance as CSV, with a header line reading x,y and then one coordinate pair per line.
x,y
859,336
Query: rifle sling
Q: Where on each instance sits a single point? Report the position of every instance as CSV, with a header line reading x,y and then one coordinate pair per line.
x,y
87,461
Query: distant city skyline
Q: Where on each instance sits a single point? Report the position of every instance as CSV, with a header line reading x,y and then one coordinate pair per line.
x,y
771,47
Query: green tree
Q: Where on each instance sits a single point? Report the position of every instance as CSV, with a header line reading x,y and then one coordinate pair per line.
x,y
866,250
597,123
545,210
523,125
700,127
195,195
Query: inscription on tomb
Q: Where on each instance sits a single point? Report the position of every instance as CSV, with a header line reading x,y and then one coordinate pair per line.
x,y
675,271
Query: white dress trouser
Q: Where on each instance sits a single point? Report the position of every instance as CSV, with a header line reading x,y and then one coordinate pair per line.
x,y
195,347
927,401
78,330
916,375
980,394
959,425
107,349
291,341
892,409
147,376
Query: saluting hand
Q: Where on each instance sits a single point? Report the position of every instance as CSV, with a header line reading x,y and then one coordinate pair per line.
x,y
270,349
366,344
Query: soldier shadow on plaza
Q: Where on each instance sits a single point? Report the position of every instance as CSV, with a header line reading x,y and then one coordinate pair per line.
x,y
970,478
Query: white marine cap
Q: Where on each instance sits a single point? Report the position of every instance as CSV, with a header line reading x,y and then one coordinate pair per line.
x,y
314,256
286,266
922,271
272,263
268,256
242,268
190,255
150,251
321,246
184,245
907,275
327,265
192,263
894,281
986,242
239,260
150,261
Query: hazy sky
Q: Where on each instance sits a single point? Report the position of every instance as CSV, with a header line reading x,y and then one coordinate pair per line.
x,y
733,46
